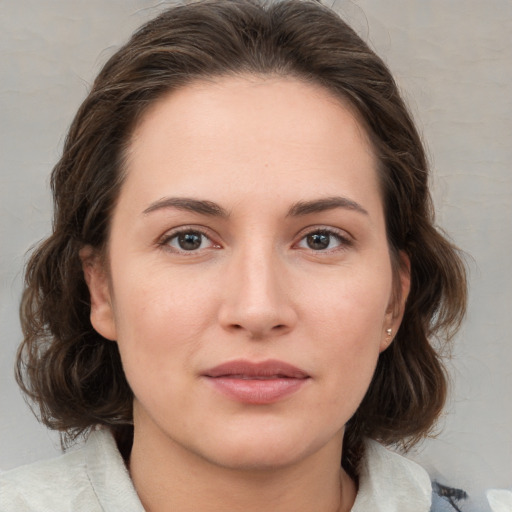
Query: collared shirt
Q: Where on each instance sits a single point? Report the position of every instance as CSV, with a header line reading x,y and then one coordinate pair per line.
x,y
94,478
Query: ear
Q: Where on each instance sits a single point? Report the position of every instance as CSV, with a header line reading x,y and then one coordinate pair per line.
x,y
96,277
396,307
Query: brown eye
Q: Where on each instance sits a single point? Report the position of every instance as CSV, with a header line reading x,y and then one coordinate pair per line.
x,y
324,240
189,241
318,241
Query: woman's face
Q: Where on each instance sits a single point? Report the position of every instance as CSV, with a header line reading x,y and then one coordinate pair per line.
x,y
249,282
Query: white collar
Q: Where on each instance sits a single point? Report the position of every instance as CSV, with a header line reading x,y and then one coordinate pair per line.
x,y
108,474
389,482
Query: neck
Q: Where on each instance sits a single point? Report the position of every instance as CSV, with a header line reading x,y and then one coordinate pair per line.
x,y
167,477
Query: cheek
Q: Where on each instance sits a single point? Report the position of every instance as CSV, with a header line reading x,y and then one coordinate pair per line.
x,y
346,324
160,321
152,298
353,305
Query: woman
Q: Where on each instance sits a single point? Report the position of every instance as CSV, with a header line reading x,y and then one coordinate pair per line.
x,y
243,280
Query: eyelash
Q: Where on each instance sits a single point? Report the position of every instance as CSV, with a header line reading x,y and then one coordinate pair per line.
x,y
344,241
164,242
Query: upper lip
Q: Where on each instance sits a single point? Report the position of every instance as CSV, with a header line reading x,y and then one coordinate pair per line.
x,y
271,368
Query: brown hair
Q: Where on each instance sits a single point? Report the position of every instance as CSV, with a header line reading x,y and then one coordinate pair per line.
x,y
75,376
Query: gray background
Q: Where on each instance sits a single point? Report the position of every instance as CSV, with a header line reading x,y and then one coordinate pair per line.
x,y
453,61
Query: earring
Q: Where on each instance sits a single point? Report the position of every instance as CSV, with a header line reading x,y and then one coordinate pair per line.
x,y
389,332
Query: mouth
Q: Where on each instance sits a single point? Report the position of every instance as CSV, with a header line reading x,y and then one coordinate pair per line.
x,y
260,383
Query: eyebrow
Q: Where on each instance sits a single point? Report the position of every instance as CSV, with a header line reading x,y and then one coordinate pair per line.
x,y
210,208
321,205
188,204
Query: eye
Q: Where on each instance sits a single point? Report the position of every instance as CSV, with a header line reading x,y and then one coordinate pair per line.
x,y
188,240
323,240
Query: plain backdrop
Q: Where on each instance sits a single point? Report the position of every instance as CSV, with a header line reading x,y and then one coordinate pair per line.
x,y
453,62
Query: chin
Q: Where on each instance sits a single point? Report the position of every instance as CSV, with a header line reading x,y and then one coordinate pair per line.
x,y
262,449
256,457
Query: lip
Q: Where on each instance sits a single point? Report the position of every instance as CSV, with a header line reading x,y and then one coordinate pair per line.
x,y
261,383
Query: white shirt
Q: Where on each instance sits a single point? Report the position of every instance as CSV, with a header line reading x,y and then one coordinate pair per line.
x,y
94,478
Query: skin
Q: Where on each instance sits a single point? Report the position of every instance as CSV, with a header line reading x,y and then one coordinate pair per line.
x,y
254,289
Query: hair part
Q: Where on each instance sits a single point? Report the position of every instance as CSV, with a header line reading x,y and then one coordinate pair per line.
x,y
72,375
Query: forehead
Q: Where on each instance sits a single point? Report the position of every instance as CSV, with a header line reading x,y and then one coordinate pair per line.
x,y
249,131
251,96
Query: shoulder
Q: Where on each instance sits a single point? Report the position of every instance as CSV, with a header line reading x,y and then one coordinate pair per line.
x,y
88,479
389,482
47,485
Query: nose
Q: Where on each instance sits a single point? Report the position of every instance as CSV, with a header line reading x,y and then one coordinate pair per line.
x,y
257,299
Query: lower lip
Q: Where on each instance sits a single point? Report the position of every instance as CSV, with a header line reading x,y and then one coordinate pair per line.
x,y
257,391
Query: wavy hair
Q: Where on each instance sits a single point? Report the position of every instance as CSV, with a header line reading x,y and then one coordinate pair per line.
x,y
74,377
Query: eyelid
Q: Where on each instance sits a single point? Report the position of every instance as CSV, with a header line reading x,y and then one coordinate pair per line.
x,y
345,238
163,241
